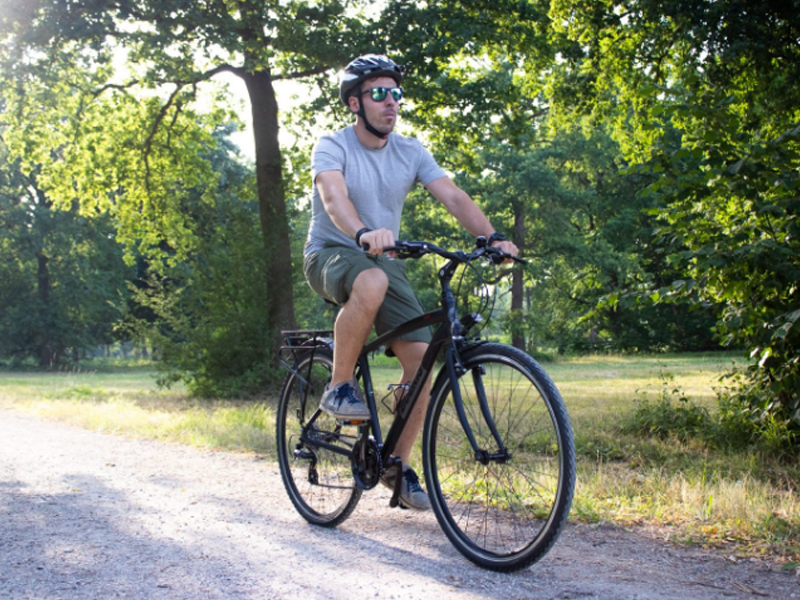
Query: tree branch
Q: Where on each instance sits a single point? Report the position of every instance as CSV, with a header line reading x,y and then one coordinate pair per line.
x,y
301,74
148,143
224,68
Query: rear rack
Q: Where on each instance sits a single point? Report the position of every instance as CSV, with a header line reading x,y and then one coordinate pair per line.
x,y
299,340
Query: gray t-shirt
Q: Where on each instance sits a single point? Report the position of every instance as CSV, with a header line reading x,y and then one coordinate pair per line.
x,y
378,182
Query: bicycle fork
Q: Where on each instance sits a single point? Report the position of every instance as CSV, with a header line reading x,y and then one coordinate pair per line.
x,y
456,370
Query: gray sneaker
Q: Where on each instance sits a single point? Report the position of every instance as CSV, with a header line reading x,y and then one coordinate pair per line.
x,y
411,493
345,402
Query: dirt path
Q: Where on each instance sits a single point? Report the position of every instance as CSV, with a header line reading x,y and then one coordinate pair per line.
x,y
86,515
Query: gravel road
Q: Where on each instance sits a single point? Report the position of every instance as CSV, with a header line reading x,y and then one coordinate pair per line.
x,y
85,515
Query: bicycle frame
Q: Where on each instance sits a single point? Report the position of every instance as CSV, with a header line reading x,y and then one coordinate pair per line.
x,y
448,337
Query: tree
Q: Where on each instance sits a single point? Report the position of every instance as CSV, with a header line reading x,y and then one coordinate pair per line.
x,y
556,190
171,49
170,205
206,313
702,97
465,94
64,281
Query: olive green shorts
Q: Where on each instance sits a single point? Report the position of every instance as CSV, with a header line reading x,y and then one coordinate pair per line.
x,y
331,272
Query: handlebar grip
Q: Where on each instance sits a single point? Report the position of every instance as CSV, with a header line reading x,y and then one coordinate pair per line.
x,y
498,256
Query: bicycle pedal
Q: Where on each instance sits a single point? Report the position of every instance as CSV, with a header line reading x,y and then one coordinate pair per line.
x,y
352,422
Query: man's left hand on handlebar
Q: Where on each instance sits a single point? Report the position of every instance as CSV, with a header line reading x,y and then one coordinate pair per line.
x,y
507,247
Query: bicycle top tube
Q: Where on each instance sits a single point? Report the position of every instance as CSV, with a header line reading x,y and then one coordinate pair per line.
x,y
427,320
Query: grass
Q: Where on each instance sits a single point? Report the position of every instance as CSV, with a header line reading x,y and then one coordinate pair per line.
x,y
745,501
128,402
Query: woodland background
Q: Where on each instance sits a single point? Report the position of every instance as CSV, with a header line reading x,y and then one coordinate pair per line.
x,y
644,155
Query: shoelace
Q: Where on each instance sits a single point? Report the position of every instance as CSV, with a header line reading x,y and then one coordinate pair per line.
x,y
413,481
348,393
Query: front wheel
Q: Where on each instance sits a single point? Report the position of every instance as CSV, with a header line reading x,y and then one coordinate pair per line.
x,y
504,506
318,479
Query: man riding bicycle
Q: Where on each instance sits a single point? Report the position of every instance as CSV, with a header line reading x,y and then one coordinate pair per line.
x,y
361,176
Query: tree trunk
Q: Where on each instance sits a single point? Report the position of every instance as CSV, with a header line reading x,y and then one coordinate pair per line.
x,y
43,288
272,203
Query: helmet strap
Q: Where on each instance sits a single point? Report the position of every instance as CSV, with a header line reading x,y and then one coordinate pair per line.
x,y
362,113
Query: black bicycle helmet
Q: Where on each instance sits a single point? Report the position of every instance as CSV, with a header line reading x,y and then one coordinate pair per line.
x,y
366,67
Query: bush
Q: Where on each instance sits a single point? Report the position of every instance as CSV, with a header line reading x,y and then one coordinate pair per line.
x,y
743,426
734,427
208,315
666,417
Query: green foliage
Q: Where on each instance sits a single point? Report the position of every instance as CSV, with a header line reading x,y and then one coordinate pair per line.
x,y
748,421
207,314
554,187
668,416
699,95
64,281
534,107
112,159
182,208
133,143
732,428
731,222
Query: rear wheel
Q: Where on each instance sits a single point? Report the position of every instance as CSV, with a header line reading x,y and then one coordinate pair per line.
x,y
319,481
504,508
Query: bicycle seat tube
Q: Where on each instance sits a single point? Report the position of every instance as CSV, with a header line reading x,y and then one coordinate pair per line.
x,y
409,400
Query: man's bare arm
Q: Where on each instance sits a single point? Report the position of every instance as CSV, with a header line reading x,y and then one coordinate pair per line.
x,y
466,212
333,192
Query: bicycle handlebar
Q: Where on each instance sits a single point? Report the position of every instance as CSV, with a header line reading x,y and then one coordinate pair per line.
x,y
410,249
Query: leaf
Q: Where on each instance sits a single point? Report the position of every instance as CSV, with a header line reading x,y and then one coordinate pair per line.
x,y
783,331
736,167
771,209
765,356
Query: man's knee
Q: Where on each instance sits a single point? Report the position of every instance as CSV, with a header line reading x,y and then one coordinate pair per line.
x,y
410,352
370,286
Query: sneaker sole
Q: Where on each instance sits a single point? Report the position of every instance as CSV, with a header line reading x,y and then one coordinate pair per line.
x,y
404,505
357,419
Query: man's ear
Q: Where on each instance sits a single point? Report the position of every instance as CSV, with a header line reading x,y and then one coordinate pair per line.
x,y
354,103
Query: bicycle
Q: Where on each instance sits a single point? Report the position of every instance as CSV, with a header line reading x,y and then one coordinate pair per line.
x,y
497,445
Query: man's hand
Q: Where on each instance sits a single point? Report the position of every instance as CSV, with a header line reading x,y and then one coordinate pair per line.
x,y
376,240
508,248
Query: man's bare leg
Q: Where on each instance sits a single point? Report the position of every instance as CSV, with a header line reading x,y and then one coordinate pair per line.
x,y
410,354
354,322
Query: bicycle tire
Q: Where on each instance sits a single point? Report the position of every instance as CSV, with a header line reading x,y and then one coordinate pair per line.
x,y
319,481
503,515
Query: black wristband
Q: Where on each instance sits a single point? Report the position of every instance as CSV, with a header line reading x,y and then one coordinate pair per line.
x,y
495,237
359,233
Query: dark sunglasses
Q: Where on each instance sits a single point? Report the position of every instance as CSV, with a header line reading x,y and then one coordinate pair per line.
x,y
378,94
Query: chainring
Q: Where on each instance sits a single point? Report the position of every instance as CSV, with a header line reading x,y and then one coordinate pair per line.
x,y
365,460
